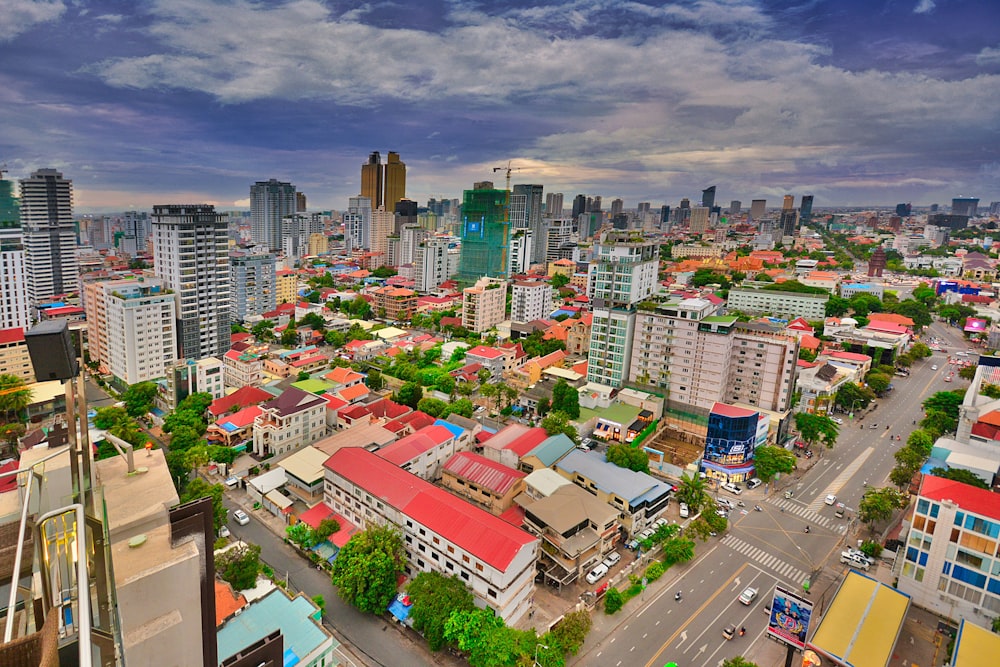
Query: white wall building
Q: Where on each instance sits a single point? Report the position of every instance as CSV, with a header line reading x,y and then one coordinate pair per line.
x,y
141,332
431,265
530,300
484,305
788,305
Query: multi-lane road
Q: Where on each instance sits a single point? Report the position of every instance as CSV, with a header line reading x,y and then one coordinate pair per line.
x,y
762,549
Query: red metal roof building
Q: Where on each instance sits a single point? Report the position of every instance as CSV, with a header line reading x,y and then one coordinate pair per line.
x,y
423,452
442,533
243,397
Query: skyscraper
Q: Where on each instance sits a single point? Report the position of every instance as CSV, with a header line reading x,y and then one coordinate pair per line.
x,y
49,235
789,221
270,202
553,205
485,233
965,206
190,246
253,289
393,181
135,231
758,207
357,224
300,202
532,219
381,229
735,207
14,311
806,209
371,179
788,203
699,219
617,206
708,197
579,205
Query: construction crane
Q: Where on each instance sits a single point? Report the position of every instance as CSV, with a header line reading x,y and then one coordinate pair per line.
x,y
508,169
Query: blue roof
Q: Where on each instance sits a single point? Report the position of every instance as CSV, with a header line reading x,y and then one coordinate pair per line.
x,y
290,659
635,487
455,429
553,448
399,610
275,611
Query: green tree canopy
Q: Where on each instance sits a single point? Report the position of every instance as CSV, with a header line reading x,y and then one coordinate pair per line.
x,y
947,402
435,407
484,638
435,597
139,398
738,661
878,382
558,281
15,397
462,406
960,475
239,565
409,394
816,429
366,568
558,422
199,488
878,504
677,550
572,630
626,456
566,398
852,396
693,491
769,461
922,441
836,306
920,350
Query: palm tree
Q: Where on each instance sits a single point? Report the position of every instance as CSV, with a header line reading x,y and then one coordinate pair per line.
x,y
15,396
692,491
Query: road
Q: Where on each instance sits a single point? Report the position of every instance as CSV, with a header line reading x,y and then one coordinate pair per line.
x,y
764,548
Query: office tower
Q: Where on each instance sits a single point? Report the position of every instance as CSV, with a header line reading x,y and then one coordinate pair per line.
x,y
622,274
484,305
758,208
381,229
49,235
789,221
617,207
735,207
579,205
190,248
965,206
642,208
14,306
561,239
430,265
933,208
407,212
270,203
877,262
903,210
357,224
484,232
619,221
995,208
788,203
806,209
371,179
135,232
708,197
300,202
553,205
393,181
532,216
294,237
253,284
699,219
664,215
595,203
734,434
140,320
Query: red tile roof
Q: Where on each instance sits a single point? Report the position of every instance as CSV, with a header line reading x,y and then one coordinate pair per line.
x,y
476,531
415,421
243,397
727,410
518,438
334,402
992,418
240,419
15,335
410,447
483,472
354,392
887,327
851,356
227,602
484,352
9,483
969,498
892,318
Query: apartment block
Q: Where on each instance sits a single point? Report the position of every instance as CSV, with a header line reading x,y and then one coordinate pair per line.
x,y
441,533
788,305
14,357
432,264
252,284
140,329
530,300
288,422
484,305
423,452
950,563
286,284
490,485
396,304
242,368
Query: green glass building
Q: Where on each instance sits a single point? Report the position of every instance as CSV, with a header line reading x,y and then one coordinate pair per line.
x,y
485,233
10,209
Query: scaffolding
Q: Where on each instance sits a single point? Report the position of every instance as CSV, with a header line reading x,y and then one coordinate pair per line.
x,y
485,231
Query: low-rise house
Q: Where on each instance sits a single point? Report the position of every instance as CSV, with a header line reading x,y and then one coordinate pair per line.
x,y
409,423
423,452
304,474
441,533
363,350
292,420
491,485
292,362
233,430
512,442
241,398
546,453
491,358
242,369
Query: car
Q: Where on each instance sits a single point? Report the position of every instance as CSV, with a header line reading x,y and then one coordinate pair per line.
x,y
684,511
859,554
731,488
830,499
934,367
597,574
723,513
659,523
224,531
837,420
241,517
748,595
611,559
754,483
948,379
725,503
853,560
729,632
646,534
632,545
232,481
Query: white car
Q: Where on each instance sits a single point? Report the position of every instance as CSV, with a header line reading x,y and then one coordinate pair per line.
x,y
830,499
725,503
241,517
224,531
731,488
659,523
684,511
748,596
837,420
646,534
597,574
232,481
934,367
611,559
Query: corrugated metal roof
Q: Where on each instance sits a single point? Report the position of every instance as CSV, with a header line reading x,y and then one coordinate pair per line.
x,y
480,470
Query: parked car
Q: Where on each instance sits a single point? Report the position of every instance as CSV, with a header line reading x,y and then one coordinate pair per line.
x,y
632,545
837,420
748,595
611,559
854,560
934,367
241,517
646,534
755,482
857,553
731,488
232,481
224,531
684,511
597,574
659,523
725,503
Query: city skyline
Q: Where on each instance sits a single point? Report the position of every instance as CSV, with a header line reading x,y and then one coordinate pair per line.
x,y
193,101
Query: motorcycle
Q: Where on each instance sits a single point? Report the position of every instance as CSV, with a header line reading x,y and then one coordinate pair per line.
x,y
677,596
740,503
756,508
807,529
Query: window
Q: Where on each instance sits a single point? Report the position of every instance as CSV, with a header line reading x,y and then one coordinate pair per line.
x,y
479,567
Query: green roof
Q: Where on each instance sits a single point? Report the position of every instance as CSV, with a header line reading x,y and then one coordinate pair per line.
x,y
313,385
619,413
720,319
296,618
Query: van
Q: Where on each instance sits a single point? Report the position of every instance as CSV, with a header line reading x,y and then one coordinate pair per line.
x,y
854,560
754,483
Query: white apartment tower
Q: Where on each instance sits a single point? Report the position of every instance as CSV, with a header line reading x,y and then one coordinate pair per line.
x,y
270,202
530,300
621,275
519,257
191,251
431,265
252,280
49,235
357,224
382,224
140,318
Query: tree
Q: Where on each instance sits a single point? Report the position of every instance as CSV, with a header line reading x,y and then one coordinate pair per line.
x,y
183,437
836,306
901,476
290,336
325,529
199,488
922,441
435,597
910,458
300,534
613,601
409,394
558,422
920,350
106,418
947,402
558,281
572,630
851,396
738,661
366,568
960,475
692,491
769,461
375,381
938,423
263,331
816,428
543,406
239,565
566,399
678,550
878,382
878,504
139,398
180,469
482,636
462,406
626,456
432,406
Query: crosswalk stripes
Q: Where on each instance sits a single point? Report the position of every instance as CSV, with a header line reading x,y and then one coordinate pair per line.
x,y
836,525
784,570
838,482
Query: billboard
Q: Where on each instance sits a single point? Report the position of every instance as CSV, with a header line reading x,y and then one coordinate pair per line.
x,y
790,616
973,325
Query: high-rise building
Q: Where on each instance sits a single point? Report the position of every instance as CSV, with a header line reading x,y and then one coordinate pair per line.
x,y
270,203
530,301
430,264
965,206
191,254
621,275
579,205
135,232
806,209
532,218
381,229
995,208
617,206
708,197
758,208
371,179
407,213
642,208
300,202
140,334
49,235
410,236
735,207
664,215
789,221
357,224
485,233
484,304
699,219
788,203
903,210
253,284
561,238
14,307
519,256
393,181
553,205
294,236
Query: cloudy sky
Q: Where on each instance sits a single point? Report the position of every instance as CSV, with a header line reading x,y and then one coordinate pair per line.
x,y
157,101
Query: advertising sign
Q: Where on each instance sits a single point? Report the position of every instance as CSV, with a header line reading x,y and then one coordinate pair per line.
x,y
974,325
789,620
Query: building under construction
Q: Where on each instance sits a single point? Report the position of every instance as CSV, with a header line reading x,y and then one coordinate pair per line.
x,y
485,232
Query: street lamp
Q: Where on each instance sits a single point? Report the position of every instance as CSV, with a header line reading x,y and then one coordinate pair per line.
x,y
537,646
